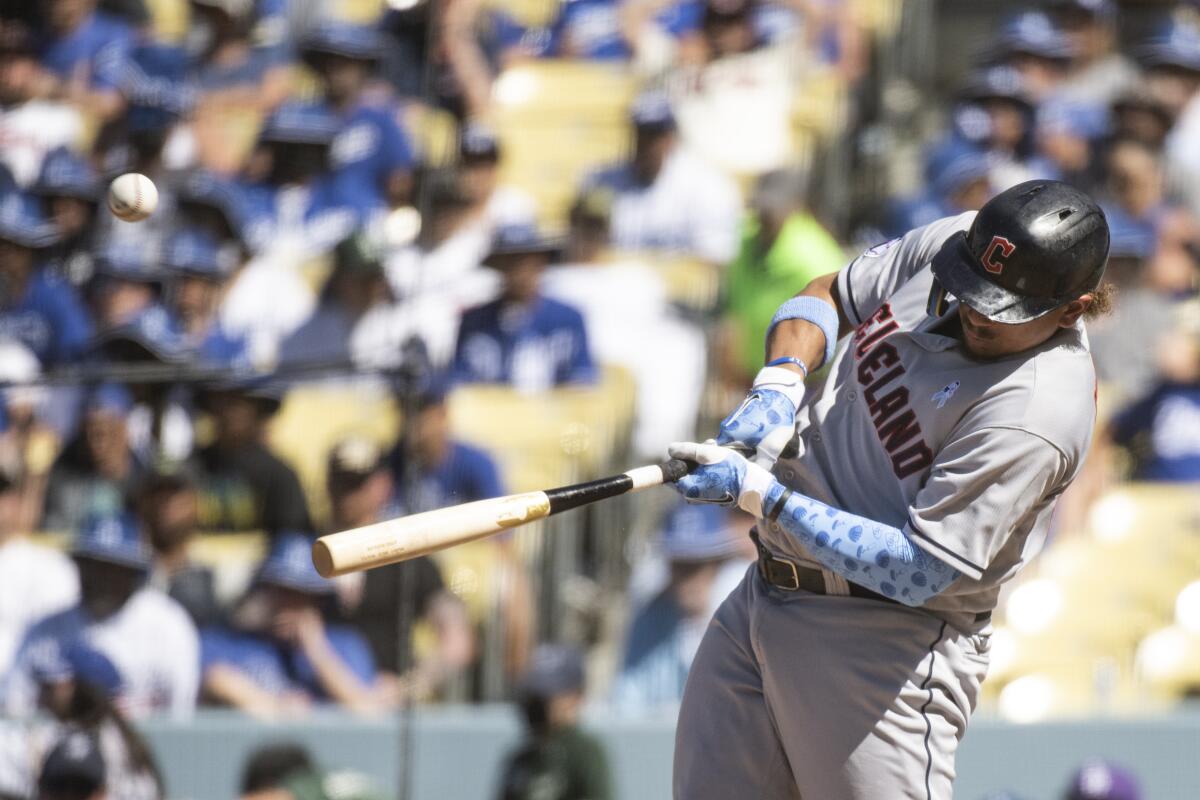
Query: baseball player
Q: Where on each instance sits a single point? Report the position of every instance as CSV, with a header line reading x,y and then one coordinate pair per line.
x,y
847,663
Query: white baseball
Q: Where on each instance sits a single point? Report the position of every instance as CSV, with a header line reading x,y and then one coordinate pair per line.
x,y
132,197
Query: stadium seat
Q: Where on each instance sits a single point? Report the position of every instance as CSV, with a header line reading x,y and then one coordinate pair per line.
x,y
530,13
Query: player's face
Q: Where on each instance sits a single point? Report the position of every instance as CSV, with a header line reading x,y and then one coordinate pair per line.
x,y
986,339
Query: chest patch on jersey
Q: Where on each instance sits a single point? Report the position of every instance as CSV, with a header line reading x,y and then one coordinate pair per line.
x,y
943,395
880,373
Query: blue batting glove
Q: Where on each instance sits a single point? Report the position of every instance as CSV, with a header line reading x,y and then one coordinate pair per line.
x,y
722,477
766,419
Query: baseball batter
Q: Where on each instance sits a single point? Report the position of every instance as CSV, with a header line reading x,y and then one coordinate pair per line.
x,y
847,663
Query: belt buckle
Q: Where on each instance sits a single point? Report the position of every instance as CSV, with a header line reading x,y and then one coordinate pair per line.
x,y
795,575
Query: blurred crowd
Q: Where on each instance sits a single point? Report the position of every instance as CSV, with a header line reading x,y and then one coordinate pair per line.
x,y
335,211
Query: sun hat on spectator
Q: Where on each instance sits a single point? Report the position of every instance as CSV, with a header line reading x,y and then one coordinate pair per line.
x,y
520,239
651,111
1103,780
360,42
57,662
203,190
74,767
66,174
23,222
112,398
554,669
152,335
1083,120
193,251
1033,33
289,565
998,83
300,123
1176,44
113,540
266,391
698,533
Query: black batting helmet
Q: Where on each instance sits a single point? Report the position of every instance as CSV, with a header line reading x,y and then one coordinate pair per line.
x,y
1030,249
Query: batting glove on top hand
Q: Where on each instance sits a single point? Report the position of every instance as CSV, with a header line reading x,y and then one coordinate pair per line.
x,y
723,477
766,420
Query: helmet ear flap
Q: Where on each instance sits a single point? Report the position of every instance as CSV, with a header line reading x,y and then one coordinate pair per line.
x,y
939,300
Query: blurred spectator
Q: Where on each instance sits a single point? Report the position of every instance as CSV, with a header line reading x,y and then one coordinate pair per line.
x,y
371,155
31,125
1006,133
474,42
557,760
81,689
523,338
29,441
280,656
1032,45
1099,73
957,177
492,203
667,199
167,505
332,334
243,485
71,191
35,581
1140,116
783,247
1103,780
1171,59
387,604
37,309
97,472
1066,134
198,270
73,770
1162,429
291,190
727,28
706,559
83,53
631,321
127,281
140,630
286,771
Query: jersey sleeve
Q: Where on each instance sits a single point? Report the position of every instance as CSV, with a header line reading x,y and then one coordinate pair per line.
x,y
869,280
981,487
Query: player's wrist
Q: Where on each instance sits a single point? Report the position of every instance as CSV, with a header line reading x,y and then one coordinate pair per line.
x,y
786,380
757,484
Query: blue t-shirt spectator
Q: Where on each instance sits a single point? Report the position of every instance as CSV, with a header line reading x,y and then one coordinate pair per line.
x,y
1163,430
100,45
591,29
465,475
532,347
49,318
370,148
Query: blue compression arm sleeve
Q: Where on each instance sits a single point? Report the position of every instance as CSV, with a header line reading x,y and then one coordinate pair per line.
x,y
863,551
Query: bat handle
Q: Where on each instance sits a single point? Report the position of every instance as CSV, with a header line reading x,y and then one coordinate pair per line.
x,y
673,470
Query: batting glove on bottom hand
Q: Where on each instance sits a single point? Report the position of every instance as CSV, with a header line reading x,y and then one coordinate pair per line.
x,y
766,420
722,477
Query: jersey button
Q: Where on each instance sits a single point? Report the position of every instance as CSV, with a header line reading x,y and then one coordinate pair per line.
x,y
789,473
851,396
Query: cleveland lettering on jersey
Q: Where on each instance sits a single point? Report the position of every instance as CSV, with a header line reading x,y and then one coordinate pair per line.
x,y
879,373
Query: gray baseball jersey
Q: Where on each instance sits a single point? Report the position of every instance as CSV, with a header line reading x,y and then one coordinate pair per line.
x,y
833,697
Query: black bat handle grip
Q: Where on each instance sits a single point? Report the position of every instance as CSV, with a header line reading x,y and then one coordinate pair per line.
x,y
673,470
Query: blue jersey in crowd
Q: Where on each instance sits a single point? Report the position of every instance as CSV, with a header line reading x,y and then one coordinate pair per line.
x,y
1169,417
276,667
467,474
370,149
532,348
321,213
592,28
49,319
100,45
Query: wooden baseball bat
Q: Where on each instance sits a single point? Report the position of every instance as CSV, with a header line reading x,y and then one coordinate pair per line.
x,y
419,534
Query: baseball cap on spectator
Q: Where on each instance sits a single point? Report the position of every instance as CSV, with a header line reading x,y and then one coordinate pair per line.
x,y
65,174
1129,238
358,253
111,398
19,368
997,83
1103,780
952,168
74,767
112,540
289,565
266,392
593,206
520,239
300,123
129,260
1145,102
1032,33
359,42
194,251
201,189
554,669
77,661
23,222
351,461
432,391
478,142
698,533
1082,120
1175,45
1100,9
152,335
651,112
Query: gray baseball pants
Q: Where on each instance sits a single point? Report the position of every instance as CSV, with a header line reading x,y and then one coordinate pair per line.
x,y
820,697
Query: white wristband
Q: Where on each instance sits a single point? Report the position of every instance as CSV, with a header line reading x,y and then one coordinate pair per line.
x,y
755,486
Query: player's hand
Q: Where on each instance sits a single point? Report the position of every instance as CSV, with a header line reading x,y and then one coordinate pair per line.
x,y
722,477
766,420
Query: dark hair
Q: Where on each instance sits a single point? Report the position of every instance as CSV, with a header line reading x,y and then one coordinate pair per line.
x,y
91,707
269,766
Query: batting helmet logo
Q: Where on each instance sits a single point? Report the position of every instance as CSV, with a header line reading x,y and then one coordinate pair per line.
x,y
989,260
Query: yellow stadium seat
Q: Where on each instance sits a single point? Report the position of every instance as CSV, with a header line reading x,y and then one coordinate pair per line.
x,y
530,13
1168,662
315,417
434,131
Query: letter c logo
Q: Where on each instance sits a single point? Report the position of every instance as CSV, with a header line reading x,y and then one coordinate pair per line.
x,y
990,262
